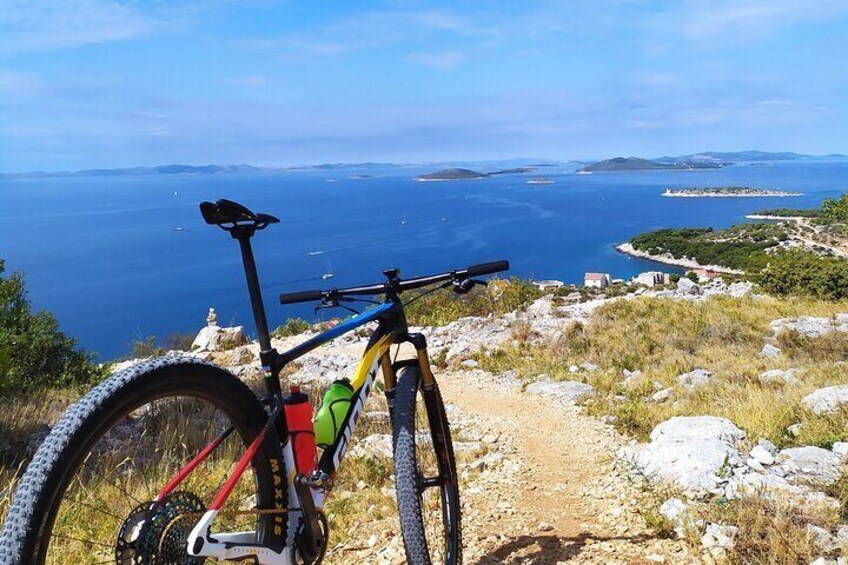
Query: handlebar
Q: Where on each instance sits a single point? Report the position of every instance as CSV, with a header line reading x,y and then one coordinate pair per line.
x,y
396,284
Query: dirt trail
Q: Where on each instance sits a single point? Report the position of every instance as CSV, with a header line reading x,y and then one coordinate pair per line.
x,y
565,501
545,491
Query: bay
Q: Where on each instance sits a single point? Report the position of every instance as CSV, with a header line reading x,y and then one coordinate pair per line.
x,y
105,256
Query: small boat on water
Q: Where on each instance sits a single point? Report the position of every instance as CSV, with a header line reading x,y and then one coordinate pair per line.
x,y
540,180
179,229
403,221
313,253
329,274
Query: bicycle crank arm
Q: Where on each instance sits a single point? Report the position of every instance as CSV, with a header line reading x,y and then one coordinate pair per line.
x,y
232,546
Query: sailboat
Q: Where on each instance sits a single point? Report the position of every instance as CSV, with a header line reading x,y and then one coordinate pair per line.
x,y
329,274
403,220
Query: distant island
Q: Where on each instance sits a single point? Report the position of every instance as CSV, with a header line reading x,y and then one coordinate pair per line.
x,y
516,171
137,171
625,164
751,156
727,192
694,161
468,174
452,174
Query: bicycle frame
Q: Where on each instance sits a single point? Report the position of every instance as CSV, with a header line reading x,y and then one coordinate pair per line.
x,y
391,329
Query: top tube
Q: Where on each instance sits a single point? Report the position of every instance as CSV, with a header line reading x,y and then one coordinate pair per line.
x,y
337,331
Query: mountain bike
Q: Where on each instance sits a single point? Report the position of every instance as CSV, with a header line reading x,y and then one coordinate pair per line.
x,y
176,461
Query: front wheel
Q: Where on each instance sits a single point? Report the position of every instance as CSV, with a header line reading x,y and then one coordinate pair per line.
x,y
425,473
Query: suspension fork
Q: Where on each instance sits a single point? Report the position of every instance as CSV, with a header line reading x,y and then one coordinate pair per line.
x,y
435,409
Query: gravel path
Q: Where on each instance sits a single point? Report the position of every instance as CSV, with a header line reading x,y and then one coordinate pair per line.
x,y
546,492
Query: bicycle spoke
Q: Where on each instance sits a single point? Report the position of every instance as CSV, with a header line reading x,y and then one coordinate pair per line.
x,y
91,507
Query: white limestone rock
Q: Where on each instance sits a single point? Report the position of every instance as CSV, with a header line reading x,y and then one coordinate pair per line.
x,y
761,455
779,377
687,286
770,351
695,378
840,449
569,392
376,445
216,338
811,326
674,510
691,452
663,395
827,400
740,289
808,466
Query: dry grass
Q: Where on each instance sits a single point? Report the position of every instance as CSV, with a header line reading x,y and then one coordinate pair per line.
x,y
362,503
771,531
664,338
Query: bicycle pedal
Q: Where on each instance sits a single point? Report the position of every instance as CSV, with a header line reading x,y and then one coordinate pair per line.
x,y
317,480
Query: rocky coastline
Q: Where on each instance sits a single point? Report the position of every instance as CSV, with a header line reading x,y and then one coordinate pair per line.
x,y
628,249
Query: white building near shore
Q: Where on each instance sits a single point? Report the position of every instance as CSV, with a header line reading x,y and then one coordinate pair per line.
x,y
596,280
653,278
548,285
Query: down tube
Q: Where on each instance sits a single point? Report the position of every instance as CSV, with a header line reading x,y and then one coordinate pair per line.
x,y
363,381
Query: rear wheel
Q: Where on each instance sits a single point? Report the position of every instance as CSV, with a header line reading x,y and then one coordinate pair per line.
x,y
87,496
425,474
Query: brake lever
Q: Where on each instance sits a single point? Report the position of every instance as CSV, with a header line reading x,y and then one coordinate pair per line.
x,y
334,301
464,286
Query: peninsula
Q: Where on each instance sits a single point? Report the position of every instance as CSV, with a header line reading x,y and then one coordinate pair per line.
x,y
727,192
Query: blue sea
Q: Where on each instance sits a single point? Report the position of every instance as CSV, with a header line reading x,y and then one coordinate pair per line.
x,y
116,258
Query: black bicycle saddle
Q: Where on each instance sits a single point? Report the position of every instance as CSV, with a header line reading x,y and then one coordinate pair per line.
x,y
228,214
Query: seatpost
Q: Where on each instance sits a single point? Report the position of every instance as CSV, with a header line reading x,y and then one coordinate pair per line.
x,y
254,289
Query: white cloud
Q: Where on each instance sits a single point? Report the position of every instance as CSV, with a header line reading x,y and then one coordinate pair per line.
x,y
46,25
369,30
739,21
443,60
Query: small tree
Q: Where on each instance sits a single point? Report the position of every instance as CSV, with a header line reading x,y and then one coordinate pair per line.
x,y
33,352
835,209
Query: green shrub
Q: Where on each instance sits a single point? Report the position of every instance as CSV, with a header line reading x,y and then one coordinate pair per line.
x,y
144,347
835,209
791,212
444,306
177,341
33,351
293,326
796,272
740,247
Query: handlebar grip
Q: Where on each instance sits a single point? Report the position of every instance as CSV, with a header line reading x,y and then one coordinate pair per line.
x,y
487,268
302,296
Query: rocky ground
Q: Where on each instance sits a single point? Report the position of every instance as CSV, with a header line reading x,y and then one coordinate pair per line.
x,y
543,482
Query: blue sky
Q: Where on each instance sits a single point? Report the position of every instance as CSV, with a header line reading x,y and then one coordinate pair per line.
x,y
100,83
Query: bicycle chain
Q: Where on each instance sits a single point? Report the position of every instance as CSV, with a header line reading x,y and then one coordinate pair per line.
x,y
198,515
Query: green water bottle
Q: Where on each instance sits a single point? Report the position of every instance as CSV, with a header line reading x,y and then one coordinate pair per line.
x,y
330,417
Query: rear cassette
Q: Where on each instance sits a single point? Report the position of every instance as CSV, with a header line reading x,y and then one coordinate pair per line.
x,y
156,533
